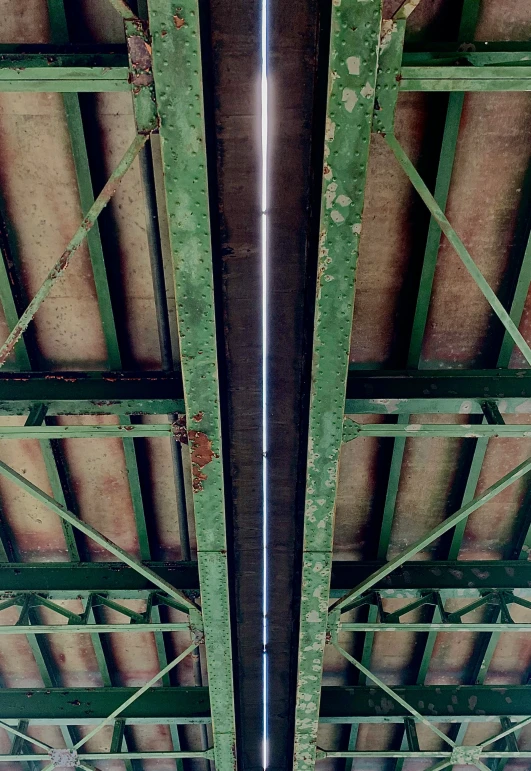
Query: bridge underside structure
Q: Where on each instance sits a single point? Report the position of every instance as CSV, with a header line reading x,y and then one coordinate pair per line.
x,y
130,457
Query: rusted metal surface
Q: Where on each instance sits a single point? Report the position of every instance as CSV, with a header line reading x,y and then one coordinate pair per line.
x,y
201,455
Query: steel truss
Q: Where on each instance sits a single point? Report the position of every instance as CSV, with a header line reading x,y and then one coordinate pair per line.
x,y
160,102
358,105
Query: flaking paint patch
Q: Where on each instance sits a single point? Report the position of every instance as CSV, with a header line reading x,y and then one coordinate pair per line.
x,y
330,130
337,217
388,27
391,405
330,194
353,65
367,91
413,427
343,200
349,99
356,228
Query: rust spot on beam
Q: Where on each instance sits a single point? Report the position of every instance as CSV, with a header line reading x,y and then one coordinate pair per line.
x,y
179,23
201,455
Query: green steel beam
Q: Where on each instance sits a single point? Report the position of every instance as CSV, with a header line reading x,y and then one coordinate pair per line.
x,y
354,48
339,704
430,71
497,628
153,431
123,755
465,79
476,52
353,430
426,755
178,83
31,630
441,391
65,580
368,391
85,393
440,703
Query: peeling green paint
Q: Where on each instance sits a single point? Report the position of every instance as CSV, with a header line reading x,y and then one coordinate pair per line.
x,y
352,80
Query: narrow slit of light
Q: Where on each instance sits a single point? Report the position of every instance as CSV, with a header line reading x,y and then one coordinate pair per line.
x,y
264,260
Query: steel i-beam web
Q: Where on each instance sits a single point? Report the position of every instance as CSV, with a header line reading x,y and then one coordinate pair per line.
x,y
178,84
354,48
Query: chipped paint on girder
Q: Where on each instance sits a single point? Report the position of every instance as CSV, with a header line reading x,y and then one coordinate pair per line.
x,y
353,61
178,82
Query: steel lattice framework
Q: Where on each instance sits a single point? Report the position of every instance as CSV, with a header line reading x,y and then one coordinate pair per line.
x,y
172,106
368,67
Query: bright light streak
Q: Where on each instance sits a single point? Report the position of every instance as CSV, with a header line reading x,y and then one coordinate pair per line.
x,y
264,258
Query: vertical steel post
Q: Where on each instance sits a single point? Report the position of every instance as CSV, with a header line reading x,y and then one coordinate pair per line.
x,y
177,68
355,37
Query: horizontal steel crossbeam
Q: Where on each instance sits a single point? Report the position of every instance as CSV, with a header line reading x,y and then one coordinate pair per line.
x,y
459,576
344,704
65,580
86,393
352,430
48,705
44,68
368,391
439,391
339,704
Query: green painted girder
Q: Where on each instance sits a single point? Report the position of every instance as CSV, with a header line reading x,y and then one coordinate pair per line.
x,y
451,759
395,392
348,704
368,391
88,432
457,575
354,47
64,72
339,704
177,70
63,580
86,393
74,629
455,78
48,58
123,755
353,430
442,626
46,432
421,71
50,705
